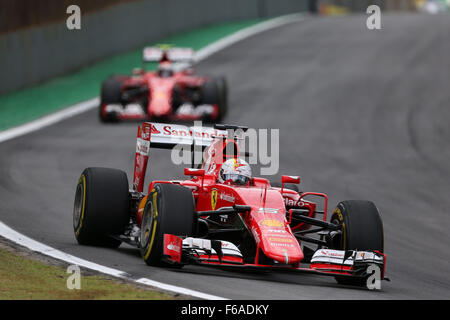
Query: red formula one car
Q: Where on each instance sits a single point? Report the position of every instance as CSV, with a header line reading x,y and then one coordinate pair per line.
x,y
223,217
172,92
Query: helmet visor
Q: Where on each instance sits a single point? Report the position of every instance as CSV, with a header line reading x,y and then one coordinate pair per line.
x,y
236,178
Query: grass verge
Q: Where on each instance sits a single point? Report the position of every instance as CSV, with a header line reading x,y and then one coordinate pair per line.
x,y
25,276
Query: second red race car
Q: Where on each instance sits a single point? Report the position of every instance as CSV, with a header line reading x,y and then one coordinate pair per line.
x,y
173,92
223,216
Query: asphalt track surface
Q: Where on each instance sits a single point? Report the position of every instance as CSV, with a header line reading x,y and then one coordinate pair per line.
x,y
362,115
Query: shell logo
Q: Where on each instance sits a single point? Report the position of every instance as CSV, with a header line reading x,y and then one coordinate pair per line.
x,y
272,223
237,164
283,240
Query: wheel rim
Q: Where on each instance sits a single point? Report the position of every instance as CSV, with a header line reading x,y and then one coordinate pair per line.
x,y
78,205
338,239
147,225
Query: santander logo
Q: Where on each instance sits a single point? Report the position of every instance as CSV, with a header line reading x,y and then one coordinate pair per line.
x,y
154,130
332,254
182,132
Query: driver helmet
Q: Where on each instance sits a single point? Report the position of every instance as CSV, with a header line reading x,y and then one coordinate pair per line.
x,y
165,70
237,170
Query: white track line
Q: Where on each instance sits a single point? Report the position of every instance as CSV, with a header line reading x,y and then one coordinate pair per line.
x,y
76,109
36,246
185,291
245,33
48,120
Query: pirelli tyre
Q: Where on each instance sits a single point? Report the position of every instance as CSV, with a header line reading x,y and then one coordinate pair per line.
x,y
101,207
362,229
215,91
169,209
111,93
223,91
176,98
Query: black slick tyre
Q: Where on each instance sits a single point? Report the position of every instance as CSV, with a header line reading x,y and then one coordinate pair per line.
x,y
111,93
362,230
101,208
169,209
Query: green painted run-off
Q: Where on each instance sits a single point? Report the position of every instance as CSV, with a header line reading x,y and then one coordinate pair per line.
x,y
28,104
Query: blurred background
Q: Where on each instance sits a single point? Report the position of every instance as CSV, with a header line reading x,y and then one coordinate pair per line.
x,y
363,114
35,44
347,6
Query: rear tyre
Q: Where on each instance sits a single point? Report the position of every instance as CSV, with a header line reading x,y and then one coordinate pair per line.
x,y
169,209
111,93
176,100
362,229
223,89
101,207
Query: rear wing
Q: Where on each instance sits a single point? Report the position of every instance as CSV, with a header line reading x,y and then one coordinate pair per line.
x,y
176,54
167,136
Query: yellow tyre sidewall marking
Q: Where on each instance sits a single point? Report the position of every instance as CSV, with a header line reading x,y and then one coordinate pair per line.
x,y
155,215
82,180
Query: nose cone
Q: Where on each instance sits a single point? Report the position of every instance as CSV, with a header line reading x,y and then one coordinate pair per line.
x,y
160,104
160,97
277,241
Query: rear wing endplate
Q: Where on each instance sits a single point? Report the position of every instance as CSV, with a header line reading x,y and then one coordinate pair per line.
x,y
167,136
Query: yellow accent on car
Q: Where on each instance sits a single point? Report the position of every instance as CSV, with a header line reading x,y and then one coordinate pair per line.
x,y
272,223
283,240
213,199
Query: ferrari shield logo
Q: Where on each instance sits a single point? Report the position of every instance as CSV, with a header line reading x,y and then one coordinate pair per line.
x,y
213,199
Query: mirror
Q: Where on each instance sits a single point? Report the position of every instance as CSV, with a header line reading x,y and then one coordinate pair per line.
x,y
290,179
194,172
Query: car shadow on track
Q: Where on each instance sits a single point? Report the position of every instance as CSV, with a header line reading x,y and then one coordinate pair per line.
x,y
269,276
259,275
131,251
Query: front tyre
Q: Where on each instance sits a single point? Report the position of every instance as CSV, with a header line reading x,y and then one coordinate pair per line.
x,y
111,93
362,230
169,209
101,207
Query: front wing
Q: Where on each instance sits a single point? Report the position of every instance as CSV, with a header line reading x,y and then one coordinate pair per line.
x,y
186,112
223,254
